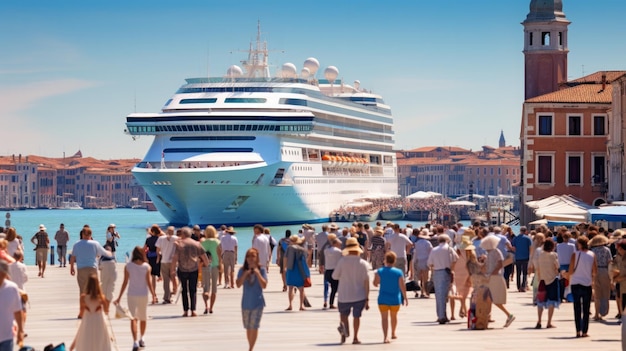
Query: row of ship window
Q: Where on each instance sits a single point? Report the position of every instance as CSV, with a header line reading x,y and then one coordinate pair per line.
x,y
220,127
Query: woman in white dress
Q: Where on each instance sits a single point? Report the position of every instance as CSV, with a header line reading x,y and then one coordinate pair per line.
x,y
137,279
93,334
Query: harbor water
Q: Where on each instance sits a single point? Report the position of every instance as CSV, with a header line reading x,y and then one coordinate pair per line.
x,y
132,225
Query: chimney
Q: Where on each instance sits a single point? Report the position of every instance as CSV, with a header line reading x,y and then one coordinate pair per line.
x,y
603,81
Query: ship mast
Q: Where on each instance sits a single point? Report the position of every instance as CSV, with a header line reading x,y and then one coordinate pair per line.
x,y
256,66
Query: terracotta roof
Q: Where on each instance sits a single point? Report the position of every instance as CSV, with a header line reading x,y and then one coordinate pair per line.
x,y
438,148
587,89
583,94
597,77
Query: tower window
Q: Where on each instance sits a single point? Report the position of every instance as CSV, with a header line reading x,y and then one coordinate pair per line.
x,y
545,38
560,38
530,38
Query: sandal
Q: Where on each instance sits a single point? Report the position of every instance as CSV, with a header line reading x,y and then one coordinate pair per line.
x,y
538,326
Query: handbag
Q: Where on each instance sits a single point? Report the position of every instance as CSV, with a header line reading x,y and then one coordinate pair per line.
x,y
542,293
307,282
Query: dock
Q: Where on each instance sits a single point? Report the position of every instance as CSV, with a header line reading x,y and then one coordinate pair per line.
x,y
54,307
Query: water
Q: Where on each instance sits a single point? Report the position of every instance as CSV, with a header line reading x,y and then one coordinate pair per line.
x,y
131,224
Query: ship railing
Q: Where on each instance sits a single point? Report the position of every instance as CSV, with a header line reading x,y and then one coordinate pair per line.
x,y
190,165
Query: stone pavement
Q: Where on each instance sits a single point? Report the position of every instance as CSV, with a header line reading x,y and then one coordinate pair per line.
x,y
54,306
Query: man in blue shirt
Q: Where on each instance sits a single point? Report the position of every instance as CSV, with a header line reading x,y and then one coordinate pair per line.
x,y
85,254
522,244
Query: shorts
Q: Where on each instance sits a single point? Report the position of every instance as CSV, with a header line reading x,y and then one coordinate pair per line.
x,y
390,308
228,259
82,276
41,254
356,307
209,279
252,318
138,307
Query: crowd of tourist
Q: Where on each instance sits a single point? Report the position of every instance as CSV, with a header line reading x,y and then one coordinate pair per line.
x,y
472,266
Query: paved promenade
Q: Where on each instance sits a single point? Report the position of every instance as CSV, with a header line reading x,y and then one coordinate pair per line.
x,y
54,306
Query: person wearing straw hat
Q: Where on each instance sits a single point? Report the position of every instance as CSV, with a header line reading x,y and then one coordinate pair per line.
x,y
354,287
493,269
421,251
297,269
601,281
42,243
11,310
229,257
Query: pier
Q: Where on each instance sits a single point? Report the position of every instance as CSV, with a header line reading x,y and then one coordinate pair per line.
x,y
54,306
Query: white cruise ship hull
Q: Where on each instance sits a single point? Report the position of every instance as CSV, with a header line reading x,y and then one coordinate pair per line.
x,y
232,196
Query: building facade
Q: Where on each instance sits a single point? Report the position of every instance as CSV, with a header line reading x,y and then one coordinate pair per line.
x,y
565,131
454,171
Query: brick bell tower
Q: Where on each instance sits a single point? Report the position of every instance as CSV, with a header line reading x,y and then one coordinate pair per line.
x,y
545,47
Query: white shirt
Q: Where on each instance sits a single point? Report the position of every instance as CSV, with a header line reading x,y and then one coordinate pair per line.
x,y
398,243
583,267
262,244
351,271
228,242
166,244
11,303
137,285
17,271
442,257
332,255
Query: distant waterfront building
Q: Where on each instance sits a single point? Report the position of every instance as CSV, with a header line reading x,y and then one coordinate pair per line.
x,y
43,182
454,171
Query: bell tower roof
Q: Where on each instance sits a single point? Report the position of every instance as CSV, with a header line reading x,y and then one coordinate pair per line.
x,y
546,11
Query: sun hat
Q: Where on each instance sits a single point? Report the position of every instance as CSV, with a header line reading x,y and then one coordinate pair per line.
x,y
598,240
112,225
423,234
490,242
333,226
352,245
42,227
230,230
465,242
331,236
295,239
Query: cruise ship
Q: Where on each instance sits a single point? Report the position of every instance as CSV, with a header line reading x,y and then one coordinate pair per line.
x,y
249,148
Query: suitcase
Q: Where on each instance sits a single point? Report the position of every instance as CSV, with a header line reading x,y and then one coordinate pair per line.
x,y
480,308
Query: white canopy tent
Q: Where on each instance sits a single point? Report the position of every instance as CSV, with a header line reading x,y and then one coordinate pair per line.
x,y
423,195
461,203
561,208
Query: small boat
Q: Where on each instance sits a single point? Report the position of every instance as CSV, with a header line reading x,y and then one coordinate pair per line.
x,y
368,217
70,205
393,214
418,215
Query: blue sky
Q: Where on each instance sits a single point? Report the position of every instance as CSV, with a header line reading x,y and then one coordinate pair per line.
x,y
452,70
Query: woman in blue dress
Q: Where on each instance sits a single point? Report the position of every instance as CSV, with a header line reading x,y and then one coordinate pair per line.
x,y
391,295
254,279
297,270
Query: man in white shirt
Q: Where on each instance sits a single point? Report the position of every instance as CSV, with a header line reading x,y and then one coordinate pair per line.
x,y
354,287
229,257
11,310
442,260
262,244
165,249
399,244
